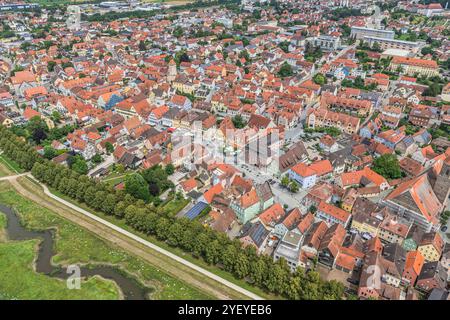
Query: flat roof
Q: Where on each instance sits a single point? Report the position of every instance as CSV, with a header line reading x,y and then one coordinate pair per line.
x,y
392,40
397,52
371,29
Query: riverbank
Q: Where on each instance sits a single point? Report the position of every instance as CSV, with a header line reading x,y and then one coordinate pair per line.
x,y
18,280
75,245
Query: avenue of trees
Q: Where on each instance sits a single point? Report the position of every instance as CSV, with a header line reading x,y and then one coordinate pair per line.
x,y
213,247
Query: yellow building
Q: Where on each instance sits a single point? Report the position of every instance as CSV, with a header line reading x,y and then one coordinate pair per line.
x,y
182,84
431,246
413,66
5,121
365,223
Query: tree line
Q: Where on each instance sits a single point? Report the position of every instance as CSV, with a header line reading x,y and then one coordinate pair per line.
x,y
215,248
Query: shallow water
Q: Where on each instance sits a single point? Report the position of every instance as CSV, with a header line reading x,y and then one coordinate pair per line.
x,y
130,288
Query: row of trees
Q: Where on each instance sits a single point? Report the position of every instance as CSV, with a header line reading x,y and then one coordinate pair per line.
x,y
17,149
213,247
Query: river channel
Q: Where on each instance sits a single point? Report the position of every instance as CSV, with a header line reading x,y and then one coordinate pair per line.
x,y
131,289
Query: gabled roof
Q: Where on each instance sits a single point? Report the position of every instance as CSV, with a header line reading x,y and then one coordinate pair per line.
x,y
214,190
257,232
417,194
334,211
29,113
272,215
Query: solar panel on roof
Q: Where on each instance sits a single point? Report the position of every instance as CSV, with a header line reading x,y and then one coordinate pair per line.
x,y
195,210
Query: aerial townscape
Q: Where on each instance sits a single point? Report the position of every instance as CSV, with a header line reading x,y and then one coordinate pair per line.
x,y
225,149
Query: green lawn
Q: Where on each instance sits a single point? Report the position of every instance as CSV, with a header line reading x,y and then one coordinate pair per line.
x,y
4,170
2,221
2,227
76,245
175,205
10,164
18,280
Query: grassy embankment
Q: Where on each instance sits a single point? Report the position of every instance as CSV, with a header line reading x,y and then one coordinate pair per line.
x,y
73,245
8,166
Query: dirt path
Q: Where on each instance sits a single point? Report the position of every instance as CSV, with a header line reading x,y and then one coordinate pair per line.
x,y
35,193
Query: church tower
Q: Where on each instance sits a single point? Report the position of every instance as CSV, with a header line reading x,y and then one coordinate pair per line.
x,y
172,70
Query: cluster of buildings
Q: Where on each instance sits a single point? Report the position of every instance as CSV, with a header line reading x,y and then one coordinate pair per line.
x,y
285,162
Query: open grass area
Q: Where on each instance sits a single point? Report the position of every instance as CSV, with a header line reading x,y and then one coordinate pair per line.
x,y
175,205
115,181
76,245
2,221
18,280
10,165
4,171
2,227
214,269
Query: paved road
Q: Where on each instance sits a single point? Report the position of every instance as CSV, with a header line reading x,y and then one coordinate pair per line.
x,y
105,164
149,244
374,20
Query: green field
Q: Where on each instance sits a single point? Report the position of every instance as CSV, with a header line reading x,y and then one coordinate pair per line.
x,y
76,245
175,205
4,171
2,227
2,221
19,281
9,165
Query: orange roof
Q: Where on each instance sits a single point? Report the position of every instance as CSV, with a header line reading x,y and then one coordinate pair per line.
x,y
189,184
422,194
250,198
23,76
30,92
351,178
214,190
29,113
380,76
293,216
373,176
354,178
374,244
351,251
160,111
306,222
272,215
415,62
334,211
303,170
132,123
321,167
93,136
415,261
345,261
178,99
